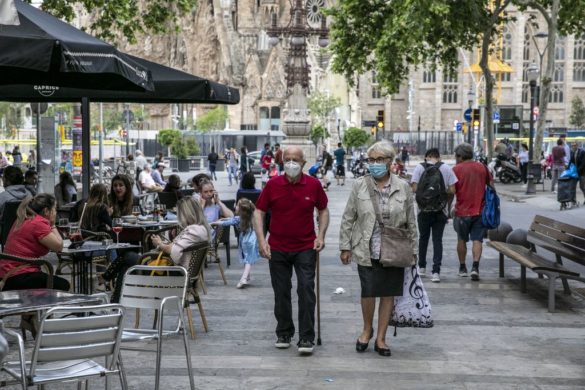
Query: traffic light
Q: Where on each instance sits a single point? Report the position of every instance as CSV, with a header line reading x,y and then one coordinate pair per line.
x,y
380,119
475,118
373,131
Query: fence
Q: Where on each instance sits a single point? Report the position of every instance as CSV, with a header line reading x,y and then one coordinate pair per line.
x,y
418,142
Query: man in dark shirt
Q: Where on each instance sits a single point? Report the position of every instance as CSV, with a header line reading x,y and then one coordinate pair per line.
x,y
292,199
212,159
339,154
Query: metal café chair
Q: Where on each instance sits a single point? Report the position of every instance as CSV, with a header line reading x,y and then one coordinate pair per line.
x,y
66,347
156,288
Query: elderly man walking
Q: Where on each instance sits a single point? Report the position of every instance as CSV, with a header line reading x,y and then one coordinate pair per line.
x,y
472,178
293,243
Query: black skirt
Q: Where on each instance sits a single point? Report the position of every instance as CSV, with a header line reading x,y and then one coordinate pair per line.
x,y
378,281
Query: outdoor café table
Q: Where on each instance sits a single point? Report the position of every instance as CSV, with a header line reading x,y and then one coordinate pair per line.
x,y
15,302
82,261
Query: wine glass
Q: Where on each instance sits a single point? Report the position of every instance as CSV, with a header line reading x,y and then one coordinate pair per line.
x,y
75,233
63,227
117,228
136,212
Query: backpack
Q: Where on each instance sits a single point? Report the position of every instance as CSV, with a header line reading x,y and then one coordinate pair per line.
x,y
490,215
431,194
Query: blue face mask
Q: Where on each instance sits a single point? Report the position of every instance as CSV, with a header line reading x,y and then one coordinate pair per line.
x,y
378,170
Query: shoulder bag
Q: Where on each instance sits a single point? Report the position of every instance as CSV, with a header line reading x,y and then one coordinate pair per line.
x,y
396,246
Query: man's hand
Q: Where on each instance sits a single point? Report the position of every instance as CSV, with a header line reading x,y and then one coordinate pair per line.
x,y
345,257
319,244
265,249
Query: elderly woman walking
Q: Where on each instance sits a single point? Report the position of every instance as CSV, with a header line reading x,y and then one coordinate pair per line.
x,y
360,239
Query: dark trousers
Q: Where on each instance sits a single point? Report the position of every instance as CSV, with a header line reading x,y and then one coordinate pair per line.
x,y
35,280
116,271
524,172
431,223
281,267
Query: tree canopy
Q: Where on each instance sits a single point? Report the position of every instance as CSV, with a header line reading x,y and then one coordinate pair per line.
x,y
212,120
354,137
321,106
129,18
577,117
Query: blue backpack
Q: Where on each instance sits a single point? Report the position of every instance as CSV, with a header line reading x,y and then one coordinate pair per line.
x,y
490,215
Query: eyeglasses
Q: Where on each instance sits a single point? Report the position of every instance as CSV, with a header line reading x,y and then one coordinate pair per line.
x,y
378,160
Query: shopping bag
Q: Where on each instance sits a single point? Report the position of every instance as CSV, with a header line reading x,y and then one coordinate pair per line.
x,y
570,172
413,308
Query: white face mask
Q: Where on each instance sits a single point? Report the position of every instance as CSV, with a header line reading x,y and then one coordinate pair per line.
x,y
292,169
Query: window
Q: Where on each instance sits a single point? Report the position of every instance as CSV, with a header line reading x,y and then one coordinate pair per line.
x,y
556,94
376,92
526,53
579,57
560,48
429,76
506,52
450,88
374,77
559,73
525,92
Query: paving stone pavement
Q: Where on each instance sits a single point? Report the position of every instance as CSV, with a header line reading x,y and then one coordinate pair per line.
x,y
487,334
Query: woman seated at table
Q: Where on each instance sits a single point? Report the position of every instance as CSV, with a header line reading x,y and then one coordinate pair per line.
x,y
196,184
248,188
97,217
121,197
33,235
174,186
195,229
213,208
65,190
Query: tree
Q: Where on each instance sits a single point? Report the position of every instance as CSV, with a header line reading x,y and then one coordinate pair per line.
x,y
168,138
577,118
321,106
129,18
10,117
185,147
212,120
355,137
318,134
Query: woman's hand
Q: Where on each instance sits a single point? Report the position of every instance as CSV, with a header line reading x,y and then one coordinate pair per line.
x,y
156,240
345,257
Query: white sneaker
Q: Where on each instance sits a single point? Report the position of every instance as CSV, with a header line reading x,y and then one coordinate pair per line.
x,y
435,278
242,283
422,271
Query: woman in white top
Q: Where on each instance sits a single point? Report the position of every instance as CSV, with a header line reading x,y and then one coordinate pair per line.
x,y
195,229
523,161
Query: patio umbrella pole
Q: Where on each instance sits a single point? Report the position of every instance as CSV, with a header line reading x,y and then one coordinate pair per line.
x,y
85,147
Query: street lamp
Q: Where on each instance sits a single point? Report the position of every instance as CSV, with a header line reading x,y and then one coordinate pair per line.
x,y
470,100
540,54
532,73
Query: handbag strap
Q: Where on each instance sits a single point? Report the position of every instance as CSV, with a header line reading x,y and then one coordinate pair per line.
x,y
374,198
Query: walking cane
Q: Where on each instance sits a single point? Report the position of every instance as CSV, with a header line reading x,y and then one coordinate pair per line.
x,y
318,301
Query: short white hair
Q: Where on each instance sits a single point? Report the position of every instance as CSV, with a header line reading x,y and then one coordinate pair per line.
x,y
383,147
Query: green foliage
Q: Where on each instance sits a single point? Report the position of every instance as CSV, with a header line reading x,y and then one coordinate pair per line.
x,y
129,18
212,120
321,106
318,134
9,115
354,137
392,36
168,137
184,148
577,117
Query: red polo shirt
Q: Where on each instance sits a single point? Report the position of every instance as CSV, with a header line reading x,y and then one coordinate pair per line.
x,y
292,227
472,177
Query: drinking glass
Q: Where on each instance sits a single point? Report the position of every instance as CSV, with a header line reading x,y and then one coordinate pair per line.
x,y
162,209
117,228
63,227
75,233
136,212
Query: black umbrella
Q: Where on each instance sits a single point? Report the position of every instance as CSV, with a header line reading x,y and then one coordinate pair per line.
x,y
170,86
46,51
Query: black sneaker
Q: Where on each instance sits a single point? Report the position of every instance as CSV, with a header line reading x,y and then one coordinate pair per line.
x,y
305,346
282,342
463,271
474,274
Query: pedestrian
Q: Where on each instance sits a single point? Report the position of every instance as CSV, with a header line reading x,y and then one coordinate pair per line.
x,y
139,162
339,154
327,161
292,243
433,182
578,158
128,167
472,178
278,159
563,137
248,188
16,156
233,162
32,159
360,239
266,162
66,190
212,158
244,163
523,161
157,160
247,242
404,155
558,163
14,188
31,181
265,150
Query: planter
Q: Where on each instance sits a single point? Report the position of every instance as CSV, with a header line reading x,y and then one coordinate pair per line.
x,y
184,165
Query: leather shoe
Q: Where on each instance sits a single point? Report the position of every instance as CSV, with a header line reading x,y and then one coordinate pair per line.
x,y
361,347
382,351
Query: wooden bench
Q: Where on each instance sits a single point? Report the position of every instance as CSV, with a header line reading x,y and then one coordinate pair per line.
x,y
563,240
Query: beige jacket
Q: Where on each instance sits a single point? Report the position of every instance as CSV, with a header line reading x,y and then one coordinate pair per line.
x,y
192,234
357,222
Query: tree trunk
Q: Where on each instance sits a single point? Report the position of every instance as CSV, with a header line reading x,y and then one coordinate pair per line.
x,y
547,77
489,88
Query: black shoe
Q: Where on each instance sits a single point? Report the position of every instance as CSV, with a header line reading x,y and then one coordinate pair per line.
x,y
305,346
361,347
463,271
282,342
382,351
474,274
